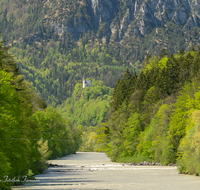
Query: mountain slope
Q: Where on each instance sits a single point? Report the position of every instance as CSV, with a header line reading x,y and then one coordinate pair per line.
x,y
57,42
77,16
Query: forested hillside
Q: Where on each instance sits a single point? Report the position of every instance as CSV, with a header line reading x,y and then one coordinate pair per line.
x,y
89,106
86,109
57,74
30,132
155,115
57,42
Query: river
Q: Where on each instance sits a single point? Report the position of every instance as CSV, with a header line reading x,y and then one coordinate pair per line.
x,y
94,171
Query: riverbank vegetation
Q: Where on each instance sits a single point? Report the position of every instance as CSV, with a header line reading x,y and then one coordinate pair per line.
x,y
30,132
155,114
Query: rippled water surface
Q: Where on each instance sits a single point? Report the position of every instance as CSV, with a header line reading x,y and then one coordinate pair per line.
x,y
95,171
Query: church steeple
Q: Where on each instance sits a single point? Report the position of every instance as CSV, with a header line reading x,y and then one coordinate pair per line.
x,y
86,83
83,82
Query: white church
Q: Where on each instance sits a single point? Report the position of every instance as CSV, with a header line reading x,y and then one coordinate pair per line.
x,y
86,83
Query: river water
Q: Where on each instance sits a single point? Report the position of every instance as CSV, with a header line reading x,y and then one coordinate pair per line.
x,y
94,171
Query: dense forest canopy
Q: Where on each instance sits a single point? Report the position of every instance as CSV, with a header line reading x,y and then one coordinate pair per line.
x,y
89,106
155,115
30,132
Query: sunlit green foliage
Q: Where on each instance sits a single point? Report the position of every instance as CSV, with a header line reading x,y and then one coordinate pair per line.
x,y
157,117
190,148
24,122
89,140
89,106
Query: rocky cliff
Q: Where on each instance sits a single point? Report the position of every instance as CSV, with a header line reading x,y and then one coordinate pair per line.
x,y
130,17
131,27
141,16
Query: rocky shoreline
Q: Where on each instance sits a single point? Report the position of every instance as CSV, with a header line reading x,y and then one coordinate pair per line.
x,y
147,164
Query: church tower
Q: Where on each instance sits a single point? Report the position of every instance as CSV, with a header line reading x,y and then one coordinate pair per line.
x,y
83,82
86,83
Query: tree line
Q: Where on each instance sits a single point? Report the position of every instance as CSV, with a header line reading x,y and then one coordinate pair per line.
x,y
155,115
30,132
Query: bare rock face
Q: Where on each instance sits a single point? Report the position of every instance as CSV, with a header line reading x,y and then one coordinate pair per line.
x,y
195,7
133,17
181,15
98,11
153,13
128,18
103,10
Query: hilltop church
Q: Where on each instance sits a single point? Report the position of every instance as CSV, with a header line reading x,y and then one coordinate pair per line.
x,y
86,83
